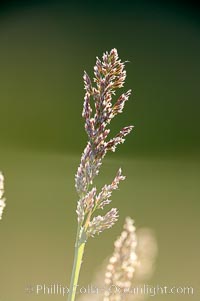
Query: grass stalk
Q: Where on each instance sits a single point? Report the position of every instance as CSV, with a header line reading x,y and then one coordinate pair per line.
x,y
78,255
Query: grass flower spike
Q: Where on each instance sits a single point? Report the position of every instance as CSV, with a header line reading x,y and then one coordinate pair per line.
x,y
109,75
2,200
122,264
98,111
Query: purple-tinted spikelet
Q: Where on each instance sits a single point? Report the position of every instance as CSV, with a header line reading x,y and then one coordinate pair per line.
x,y
100,223
86,204
103,197
109,74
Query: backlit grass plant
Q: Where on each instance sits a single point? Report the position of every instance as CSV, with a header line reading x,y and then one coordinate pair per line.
x,y
98,111
131,257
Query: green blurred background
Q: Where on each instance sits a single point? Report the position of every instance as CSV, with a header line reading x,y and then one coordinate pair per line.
x,y
44,48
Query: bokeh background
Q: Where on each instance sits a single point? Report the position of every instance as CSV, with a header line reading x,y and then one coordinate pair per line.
x,y
44,48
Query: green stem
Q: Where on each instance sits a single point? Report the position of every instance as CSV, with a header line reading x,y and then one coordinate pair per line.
x,y
78,255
